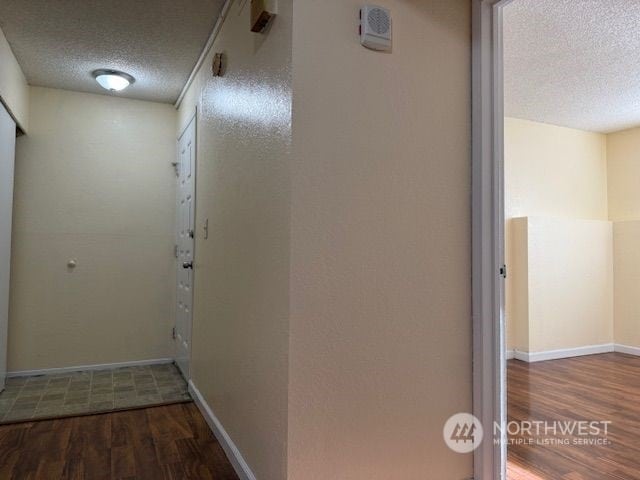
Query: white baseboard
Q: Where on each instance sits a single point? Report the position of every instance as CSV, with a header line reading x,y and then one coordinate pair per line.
x,y
572,352
234,455
626,349
563,353
101,366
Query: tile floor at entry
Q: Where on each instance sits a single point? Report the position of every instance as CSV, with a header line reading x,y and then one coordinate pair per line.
x,y
83,392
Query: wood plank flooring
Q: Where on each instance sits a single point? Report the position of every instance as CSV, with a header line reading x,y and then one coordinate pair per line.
x,y
174,442
169,442
594,387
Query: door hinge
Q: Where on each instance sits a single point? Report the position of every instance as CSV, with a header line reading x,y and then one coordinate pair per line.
x,y
173,333
175,251
503,271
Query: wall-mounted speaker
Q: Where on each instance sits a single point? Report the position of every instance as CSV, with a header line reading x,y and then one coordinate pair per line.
x,y
375,28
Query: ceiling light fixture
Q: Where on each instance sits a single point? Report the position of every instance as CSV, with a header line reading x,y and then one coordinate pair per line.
x,y
113,80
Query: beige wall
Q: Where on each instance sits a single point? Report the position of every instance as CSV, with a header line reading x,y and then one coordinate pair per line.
x,y
380,342
517,290
554,172
558,172
623,159
93,183
367,349
623,155
241,311
569,283
626,258
14,91
322,317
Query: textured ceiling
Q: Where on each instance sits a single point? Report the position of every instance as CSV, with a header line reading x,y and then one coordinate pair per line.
x,y
58,43
574,63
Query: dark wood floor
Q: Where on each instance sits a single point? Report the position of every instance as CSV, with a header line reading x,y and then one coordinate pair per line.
x,y
171,442
174,442
594,387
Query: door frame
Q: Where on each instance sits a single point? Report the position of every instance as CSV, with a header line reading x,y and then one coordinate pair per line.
x,y
191,119
489,351
8,127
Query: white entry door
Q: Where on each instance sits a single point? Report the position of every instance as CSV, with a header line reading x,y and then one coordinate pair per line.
x,y
185,242
7,157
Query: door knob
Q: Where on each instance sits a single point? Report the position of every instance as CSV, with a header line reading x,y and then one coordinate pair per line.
x,y
188,265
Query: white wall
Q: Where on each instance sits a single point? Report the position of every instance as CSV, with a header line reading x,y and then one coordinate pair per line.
x,y
14,91
93,183
241,309
380,329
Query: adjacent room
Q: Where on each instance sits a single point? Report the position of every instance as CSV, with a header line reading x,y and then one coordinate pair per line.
x,y
572,231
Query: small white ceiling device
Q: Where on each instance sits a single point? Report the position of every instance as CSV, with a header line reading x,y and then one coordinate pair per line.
x,y
375,28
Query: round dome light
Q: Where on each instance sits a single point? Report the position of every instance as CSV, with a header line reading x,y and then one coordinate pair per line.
x,y
113,80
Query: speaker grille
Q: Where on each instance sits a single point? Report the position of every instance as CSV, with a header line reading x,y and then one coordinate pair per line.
x,y
379,21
